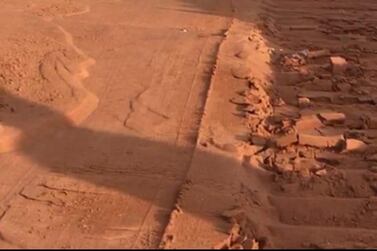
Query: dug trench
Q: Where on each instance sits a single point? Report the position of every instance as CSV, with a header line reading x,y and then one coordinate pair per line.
x,y
301,79
284,158
323,76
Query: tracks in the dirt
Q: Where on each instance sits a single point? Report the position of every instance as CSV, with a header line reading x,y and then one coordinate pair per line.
x,y
321,197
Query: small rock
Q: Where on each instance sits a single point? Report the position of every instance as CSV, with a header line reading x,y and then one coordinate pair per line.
x,y
319,141
293,60
339,64
355,145
303,102
321,172
330,118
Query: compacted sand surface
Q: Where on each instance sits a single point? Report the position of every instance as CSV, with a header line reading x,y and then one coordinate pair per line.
x,y
227,124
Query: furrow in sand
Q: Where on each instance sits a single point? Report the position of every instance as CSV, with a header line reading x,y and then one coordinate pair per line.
x,y
280,190
337,200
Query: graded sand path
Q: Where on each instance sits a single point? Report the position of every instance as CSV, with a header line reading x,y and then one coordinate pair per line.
x,y
227,124
100,107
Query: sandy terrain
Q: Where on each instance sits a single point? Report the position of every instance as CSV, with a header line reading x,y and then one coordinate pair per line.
x,y
227,124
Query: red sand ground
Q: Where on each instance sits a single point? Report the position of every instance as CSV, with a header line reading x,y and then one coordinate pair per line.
x,y
188,124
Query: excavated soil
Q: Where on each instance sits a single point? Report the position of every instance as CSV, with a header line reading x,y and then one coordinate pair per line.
x,y
226,124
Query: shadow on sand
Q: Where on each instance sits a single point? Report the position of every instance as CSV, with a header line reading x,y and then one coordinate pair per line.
x,y
150,171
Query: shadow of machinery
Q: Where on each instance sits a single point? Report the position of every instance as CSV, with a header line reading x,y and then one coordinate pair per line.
x,y
68,158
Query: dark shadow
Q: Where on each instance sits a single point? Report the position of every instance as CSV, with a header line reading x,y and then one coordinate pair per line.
x,y
141,168
51,140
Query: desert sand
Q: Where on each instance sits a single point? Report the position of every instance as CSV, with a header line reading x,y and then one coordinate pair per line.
x,y
225,124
